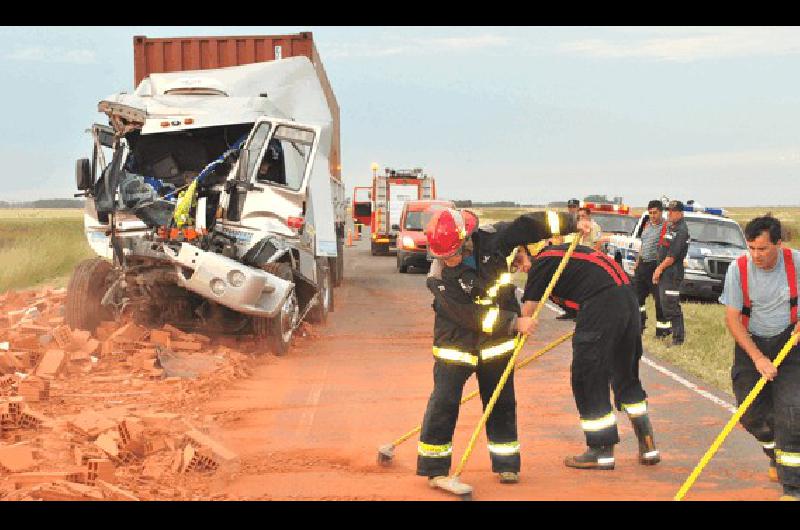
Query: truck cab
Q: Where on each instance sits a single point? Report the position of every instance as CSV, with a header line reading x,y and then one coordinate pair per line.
x,y
714,242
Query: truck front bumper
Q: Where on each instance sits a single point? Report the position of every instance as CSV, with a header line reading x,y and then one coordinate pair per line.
x,y
701,286
230,283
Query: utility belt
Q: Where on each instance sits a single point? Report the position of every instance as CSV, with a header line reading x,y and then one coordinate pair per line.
x,y
488,352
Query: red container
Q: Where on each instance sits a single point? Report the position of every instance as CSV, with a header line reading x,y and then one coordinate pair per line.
x,y
175,54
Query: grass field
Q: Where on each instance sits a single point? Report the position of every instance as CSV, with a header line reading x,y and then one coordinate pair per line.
x,y
38,246
708,350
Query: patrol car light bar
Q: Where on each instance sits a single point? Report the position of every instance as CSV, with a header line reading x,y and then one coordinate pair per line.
x,y
711,211
616,208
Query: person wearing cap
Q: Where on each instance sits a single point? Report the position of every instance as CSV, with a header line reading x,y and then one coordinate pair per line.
x,y
761,297
672,248
572,208
468,337
646,264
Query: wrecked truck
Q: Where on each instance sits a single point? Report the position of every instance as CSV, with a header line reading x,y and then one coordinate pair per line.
x,y
212,203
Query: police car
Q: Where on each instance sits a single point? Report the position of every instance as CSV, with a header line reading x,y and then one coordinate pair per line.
x,y
714,242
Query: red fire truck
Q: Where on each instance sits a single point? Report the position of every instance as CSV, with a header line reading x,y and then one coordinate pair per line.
x,y
390,192
362,205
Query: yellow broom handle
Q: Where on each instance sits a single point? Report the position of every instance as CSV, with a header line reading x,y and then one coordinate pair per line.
x,y
510,366
471,395
734,420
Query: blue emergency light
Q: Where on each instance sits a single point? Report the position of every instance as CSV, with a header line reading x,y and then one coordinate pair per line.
x,y
711,211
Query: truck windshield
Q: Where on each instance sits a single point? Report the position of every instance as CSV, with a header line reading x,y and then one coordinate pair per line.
x,y
620,224
413,221
719,232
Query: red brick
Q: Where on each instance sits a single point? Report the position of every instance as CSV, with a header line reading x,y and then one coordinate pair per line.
x,y
63,336
91,424
108,445
161,338
100,468
16,458
50,365
186,345
212,450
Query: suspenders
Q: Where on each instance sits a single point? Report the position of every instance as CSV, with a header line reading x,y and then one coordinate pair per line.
x,y
791,277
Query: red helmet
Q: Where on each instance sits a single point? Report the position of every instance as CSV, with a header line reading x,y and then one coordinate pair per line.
x,y
448,230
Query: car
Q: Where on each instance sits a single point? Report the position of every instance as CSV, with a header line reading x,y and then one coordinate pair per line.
x,y
614,224
714,242
412,245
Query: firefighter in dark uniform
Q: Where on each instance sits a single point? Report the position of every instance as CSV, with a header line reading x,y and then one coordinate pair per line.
x,y
672,249
646,264
606,348
468,338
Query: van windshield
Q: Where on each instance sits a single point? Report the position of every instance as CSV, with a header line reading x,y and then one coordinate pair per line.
x,y
413,221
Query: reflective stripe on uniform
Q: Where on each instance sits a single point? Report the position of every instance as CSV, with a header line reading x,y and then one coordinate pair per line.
x,y
504,449
768,445
787,459
635,409
434,451
488,321
663,325
552,220
609,420
643,309
498,349
447,354
504,279
672,293
484,301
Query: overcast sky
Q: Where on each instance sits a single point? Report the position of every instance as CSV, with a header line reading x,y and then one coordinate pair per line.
x,y
523,114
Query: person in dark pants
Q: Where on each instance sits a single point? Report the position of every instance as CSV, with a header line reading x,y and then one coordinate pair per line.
x,y
646,264
606,348
468,338
672,249
760,293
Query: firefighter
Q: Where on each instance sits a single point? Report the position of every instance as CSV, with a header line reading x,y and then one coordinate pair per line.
x,y
672,249
645,266
760,293
469,337
606,347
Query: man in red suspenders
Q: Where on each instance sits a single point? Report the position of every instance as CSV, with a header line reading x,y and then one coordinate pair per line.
x,y
606,347
761,297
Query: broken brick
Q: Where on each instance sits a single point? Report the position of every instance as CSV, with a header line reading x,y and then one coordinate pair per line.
x,y
63,336
34,388
186,345
162,338
16,458
51,363
108,445
39,477
99,468
113,492
91,424
212,450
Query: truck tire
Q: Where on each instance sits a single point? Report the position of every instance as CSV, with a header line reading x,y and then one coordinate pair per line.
x,y
319,313
339,276
402,268
278,330
373,248
86,288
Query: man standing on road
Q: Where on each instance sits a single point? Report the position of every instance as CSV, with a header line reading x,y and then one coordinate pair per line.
x,y
468,337
672,249
761,297
646,264
606,347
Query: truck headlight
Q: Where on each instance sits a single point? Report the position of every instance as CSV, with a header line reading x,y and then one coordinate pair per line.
x,y
408,243
693,264
236,278
217,287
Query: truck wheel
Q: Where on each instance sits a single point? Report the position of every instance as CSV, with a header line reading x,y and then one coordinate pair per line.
x,y
401,267
319,313
86,288
339,263
278,330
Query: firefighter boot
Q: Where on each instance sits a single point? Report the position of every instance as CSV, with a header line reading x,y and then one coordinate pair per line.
x,y
662,329
790,493
678,331
601,457
648,454
772,472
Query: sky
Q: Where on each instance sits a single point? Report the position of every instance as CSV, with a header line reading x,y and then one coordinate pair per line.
x,y
527,114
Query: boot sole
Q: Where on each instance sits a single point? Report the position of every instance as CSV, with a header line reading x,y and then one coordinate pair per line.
x,y
649,461
589,465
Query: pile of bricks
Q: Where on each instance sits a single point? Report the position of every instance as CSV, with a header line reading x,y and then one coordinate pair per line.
x,y
101,426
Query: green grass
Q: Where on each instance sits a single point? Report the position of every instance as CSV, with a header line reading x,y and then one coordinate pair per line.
x,y
40,246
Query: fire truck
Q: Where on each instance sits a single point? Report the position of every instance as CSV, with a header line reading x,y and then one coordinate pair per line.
x,y
390,192
362,205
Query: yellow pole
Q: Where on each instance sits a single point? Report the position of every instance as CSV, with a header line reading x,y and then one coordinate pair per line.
x,y
470,396
734,420
520,342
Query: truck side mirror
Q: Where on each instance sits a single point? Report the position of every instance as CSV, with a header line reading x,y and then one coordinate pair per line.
x,y
83,174
244,158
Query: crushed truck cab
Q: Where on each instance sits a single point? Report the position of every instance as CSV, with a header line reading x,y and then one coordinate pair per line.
x,y
212,193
